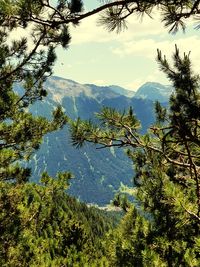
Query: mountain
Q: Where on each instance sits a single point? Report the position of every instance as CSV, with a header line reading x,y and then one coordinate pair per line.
x,y
154,91
98,173
121,91
112,89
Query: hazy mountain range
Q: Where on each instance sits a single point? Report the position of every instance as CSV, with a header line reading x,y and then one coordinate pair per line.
x,y
98,173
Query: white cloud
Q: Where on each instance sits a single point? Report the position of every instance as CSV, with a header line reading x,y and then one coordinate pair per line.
x,y
141,38
151,77
147,48
144,47
137,46
88,31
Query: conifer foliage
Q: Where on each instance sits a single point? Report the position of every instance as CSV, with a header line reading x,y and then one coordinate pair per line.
x,y
165,228
42,226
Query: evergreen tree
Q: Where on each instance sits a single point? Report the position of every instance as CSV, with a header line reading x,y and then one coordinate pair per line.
x,y
42,226
167,172
39,225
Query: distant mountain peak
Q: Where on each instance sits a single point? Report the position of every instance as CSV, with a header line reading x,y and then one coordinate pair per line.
x,y
59,88
122,91
98,175
154,91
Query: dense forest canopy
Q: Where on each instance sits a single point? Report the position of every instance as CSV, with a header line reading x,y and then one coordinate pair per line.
x,y
40,224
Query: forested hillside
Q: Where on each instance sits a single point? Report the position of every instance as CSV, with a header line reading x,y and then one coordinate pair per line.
x,y
43,226
98,173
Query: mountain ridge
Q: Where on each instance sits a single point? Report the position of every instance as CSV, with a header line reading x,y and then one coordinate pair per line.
x,y
98,173
149,90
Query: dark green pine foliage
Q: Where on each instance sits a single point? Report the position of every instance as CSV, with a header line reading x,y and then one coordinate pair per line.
x,y
76,6
164,227
42,226
127,245
20,132
173,13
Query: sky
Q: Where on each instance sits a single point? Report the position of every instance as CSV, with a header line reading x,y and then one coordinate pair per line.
x,y
127,59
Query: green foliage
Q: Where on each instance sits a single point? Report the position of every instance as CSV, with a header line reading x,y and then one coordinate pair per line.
x,y
20,132
166,159
173,13
114,126
76,6
129,244
42,226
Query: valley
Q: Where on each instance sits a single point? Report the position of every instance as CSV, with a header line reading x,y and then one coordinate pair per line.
x,y
98,173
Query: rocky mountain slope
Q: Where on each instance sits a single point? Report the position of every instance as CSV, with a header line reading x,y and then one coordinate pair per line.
x,y
98,173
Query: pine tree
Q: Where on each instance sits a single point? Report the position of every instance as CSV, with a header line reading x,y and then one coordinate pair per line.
x,y
167,171
27,210
42,226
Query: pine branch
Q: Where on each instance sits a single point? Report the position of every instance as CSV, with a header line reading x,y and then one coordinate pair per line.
x,y
191,213
25,61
